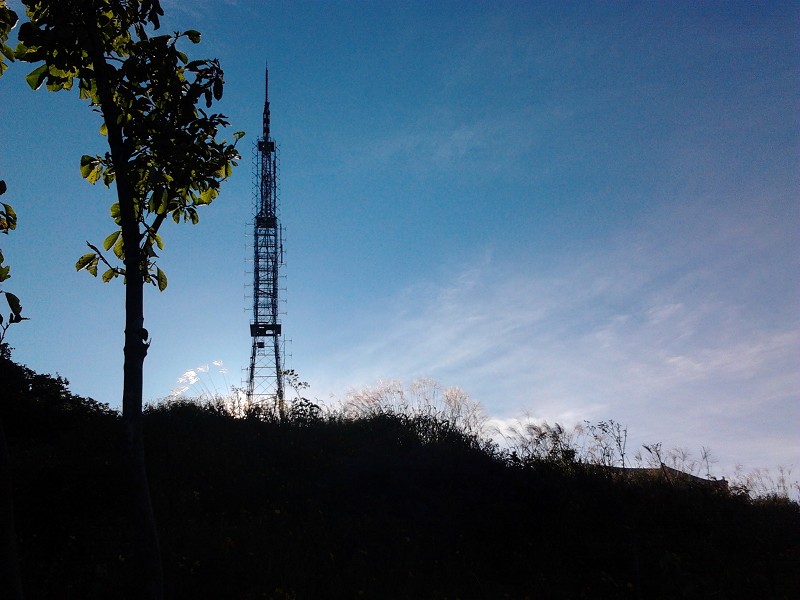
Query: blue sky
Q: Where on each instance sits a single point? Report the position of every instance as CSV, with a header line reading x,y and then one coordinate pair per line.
x,y
571,210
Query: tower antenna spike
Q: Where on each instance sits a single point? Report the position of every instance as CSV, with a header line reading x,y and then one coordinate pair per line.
x,y
266,103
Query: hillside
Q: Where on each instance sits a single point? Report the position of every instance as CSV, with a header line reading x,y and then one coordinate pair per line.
x,y
387,506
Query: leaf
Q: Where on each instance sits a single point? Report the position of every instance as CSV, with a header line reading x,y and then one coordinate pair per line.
x,y
94,176
8,219
7,52
109,275
119,249
161,279
88,90
59,84
193,35
87,165
3,188
20,51
104,129
13,303
92,268
207,195
109,241
162,199
36,77
83,261
224,171
115,214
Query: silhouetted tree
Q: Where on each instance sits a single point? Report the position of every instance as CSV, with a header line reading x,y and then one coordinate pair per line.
x,y
164,160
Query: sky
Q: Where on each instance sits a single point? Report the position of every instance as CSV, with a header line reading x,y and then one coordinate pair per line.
x,y
572,211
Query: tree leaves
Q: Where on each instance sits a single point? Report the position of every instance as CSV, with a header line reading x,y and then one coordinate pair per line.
x,y
165,158
8,218
89,262
91,168
5,271
16,313
8,222
8,19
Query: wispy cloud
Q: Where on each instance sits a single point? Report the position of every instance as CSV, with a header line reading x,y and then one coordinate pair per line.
x,y
198,10
622,334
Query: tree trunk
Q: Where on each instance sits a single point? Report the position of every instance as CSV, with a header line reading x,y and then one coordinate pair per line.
x,y
147,545
149,552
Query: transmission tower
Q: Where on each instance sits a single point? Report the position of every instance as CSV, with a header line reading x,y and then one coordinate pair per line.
x,y
265,383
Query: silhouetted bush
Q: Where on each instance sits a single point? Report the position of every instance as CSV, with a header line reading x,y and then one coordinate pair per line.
x,y
383,505
35,405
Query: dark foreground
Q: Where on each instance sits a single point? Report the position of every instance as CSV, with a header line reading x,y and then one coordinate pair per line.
x,y
381,507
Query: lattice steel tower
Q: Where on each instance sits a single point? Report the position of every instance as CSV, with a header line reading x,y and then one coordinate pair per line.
x,y
265,383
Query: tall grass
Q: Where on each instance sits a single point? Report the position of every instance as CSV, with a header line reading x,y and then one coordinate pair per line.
x,y
437,413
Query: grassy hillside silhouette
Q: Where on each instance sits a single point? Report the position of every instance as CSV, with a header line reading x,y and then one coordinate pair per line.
x,y
383,506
